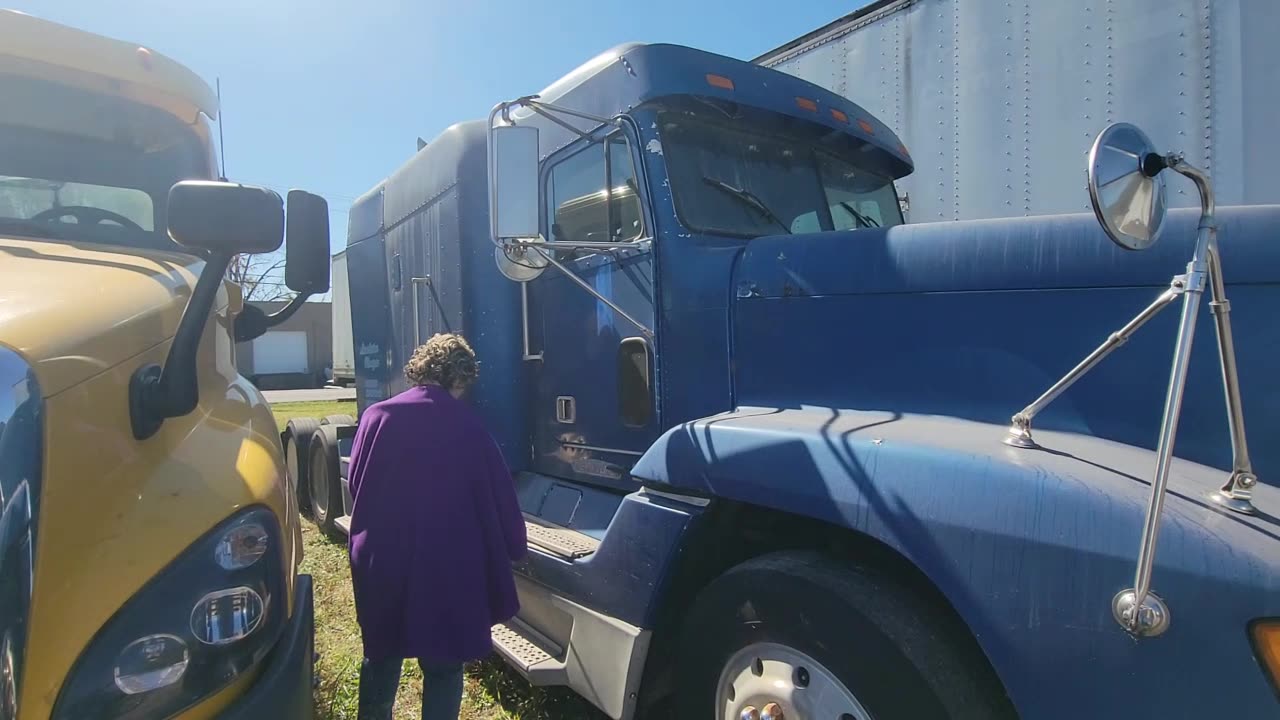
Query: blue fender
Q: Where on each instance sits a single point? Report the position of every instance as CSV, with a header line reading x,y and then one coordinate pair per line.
x,y
1029,546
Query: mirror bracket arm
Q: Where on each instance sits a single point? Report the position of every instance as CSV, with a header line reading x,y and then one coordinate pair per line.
x,y
550,256
1019,433
252,322
158,393
1237,493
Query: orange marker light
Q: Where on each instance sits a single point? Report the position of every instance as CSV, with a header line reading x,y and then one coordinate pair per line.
x,y
867,127
1266,646
719,81
903,149
839,115
807,104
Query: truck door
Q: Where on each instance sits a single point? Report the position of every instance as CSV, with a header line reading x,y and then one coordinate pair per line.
x,y
593,401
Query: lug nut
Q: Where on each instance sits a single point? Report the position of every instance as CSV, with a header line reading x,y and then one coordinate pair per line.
x,y
772,711
749,713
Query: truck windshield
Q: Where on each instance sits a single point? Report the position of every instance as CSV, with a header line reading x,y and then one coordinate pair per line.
x,y
732,181
89,168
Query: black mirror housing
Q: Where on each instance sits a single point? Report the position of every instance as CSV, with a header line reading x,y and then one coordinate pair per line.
x,y
225,218
306,266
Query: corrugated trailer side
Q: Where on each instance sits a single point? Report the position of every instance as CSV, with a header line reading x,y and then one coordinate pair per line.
x,y
995,99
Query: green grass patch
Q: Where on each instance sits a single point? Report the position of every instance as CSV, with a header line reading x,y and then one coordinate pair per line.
x,y
287,411
492,691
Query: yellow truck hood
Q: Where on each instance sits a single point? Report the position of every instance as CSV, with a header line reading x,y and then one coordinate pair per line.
x,y
76,310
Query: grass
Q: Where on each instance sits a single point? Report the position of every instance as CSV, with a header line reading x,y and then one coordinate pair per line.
x,y
285,412
492,691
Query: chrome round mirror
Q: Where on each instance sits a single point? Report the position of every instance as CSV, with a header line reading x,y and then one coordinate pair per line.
x,y
1125,186
519,263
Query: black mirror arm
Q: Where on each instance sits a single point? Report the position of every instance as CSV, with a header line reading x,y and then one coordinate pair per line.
x,y
157,394
252,322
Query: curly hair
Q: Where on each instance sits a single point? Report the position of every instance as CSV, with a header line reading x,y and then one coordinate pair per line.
x,y
446,360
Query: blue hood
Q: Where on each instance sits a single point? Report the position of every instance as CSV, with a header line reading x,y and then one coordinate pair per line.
x,y
974,320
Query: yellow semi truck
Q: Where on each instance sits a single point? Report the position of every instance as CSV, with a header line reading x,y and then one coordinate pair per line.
x,y
149,539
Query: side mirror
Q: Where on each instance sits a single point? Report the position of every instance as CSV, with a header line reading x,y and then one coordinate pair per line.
x,y
1125,186
306,266
513,182
225,218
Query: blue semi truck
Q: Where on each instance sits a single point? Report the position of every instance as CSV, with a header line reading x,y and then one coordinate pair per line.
x,y
761,428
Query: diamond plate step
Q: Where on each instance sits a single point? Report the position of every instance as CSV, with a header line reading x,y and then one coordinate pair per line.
x,y
557,540
343,523
532,655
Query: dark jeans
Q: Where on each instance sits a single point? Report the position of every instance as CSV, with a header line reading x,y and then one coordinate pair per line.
x,y
441,689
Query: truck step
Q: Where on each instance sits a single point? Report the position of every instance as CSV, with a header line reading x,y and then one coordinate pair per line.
x,y
558,540
343,523
532,655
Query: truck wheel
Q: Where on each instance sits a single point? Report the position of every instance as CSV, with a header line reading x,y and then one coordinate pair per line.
x,y
325,484
798,636
297,441
338,420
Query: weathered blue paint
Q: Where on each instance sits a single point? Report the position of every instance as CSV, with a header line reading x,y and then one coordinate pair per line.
x,y
976,319
873,374
1028,546
421,238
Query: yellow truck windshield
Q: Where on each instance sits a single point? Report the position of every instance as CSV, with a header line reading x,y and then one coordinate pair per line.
x,y
79,166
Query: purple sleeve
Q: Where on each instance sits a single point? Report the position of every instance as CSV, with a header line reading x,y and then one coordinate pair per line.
x,y
510,519
366,431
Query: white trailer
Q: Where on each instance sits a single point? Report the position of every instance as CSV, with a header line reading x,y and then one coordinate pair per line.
x,y
344,358
993,98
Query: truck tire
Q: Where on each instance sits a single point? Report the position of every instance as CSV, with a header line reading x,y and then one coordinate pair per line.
x,y
824,641
325,485
338,420
296,439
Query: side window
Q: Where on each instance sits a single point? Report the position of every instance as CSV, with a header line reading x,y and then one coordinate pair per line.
x,y
624,220
591,195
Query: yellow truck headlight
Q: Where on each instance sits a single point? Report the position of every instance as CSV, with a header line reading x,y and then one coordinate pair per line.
x,y
200,623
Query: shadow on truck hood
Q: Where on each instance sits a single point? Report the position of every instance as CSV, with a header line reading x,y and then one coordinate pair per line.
x,y
74,311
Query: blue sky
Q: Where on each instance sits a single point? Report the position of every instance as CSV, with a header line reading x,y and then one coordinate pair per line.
x,y
331,96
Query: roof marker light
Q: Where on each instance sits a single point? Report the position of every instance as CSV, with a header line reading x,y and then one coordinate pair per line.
x,y
840,116
806,104
867,127
719,81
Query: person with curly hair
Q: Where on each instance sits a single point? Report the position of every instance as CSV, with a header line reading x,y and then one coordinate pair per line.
x,y
435,527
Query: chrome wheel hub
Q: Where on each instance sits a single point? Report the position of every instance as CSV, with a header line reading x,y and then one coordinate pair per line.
x,y
768,681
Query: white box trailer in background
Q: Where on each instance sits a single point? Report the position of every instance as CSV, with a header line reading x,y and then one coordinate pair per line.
x,y
995,98
344,357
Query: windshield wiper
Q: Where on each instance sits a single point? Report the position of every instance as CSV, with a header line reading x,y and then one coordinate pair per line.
x,y
858,217
749,199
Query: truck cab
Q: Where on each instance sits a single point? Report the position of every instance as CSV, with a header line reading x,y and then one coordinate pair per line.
x,y
149,544
756,421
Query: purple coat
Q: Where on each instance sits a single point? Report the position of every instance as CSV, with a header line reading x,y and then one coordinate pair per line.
x,y
434,529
